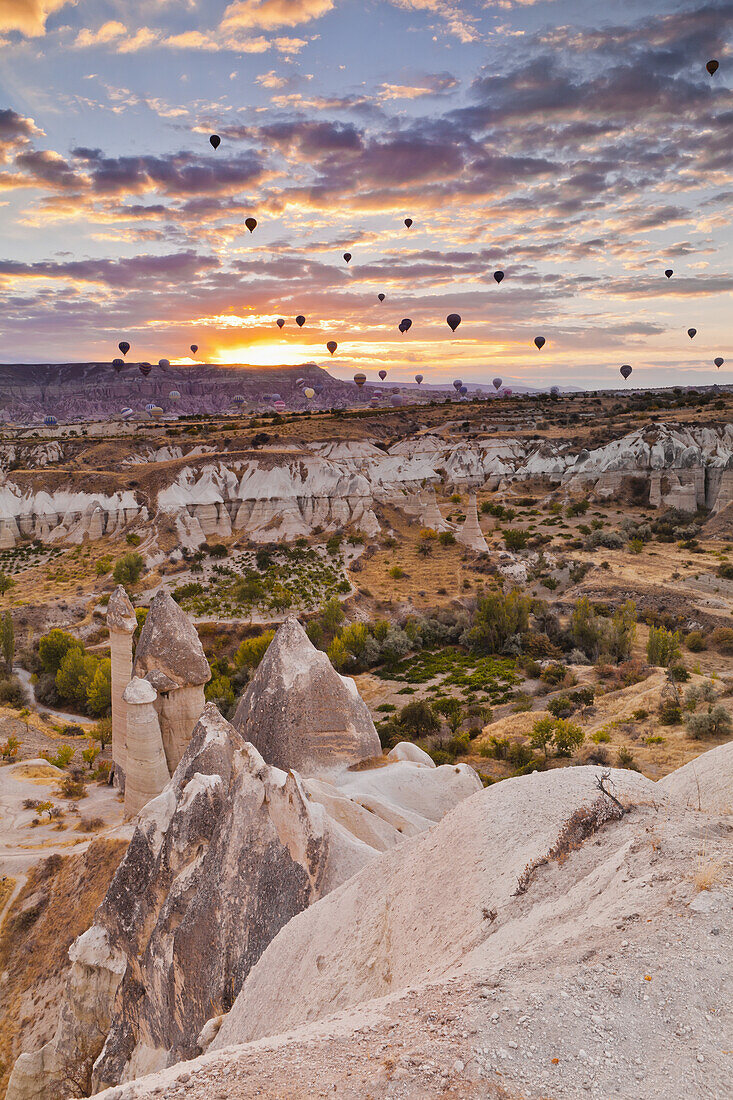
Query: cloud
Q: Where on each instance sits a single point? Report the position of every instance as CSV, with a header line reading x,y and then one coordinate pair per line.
x,y
272,80
105,34
28,16
127,272
437,84
269,14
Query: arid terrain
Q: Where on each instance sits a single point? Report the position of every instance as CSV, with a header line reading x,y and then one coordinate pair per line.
x,y
509,886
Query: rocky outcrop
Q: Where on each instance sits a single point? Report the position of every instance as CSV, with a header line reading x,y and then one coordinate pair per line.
x,y
300,714
146,770
122,624
470,533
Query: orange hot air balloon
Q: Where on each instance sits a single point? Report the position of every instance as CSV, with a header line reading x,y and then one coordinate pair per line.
x,y
332,345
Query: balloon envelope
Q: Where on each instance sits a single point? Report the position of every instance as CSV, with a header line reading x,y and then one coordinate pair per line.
x,y
280,322
215,140
669,272
408,222
539,341
347,257
279,406
49,420
454,320
555,390
496,383
457,383
360,379
251,224
381,297
463,391
175,395
691,332
194,348
712,66
238,399
164,362
124,346
625,371
719,361
405,324
383,374
498,275
332,345
309,392
145,369
300,320
118,364
396,399
126,413
418,378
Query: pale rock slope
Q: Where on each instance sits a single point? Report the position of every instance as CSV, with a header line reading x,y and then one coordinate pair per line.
x,y
535,942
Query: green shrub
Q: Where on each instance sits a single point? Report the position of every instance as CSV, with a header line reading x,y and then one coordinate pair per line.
x,y
670,713
446,538
515,538
715,722
601,737
695,641
625,759
128,569
663,646
722,639
252,650
53,647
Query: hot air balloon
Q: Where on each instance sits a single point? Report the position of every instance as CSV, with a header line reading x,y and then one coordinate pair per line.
x,y
280,322
498,275
405,325
463,391
374,404
418,378
719,361
215,141
625,371
408,222
278,406
175,395
309,392
555,391
144,369
251,224
164,363
118,364
692,332
347,257
156,412
669,272
382,374
396,400
497,383
539,342
238,399
299,382
318,387
381,297
150,406
457,383
300,320
712,66
124,346
360,379
508,392
126,413
194,348
49,421
332,345
454,320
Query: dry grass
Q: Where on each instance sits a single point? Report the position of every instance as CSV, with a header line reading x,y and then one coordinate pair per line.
x,y
40,773
56,904
707,874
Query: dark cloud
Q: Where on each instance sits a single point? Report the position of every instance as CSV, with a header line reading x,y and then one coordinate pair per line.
x,y
177,174
123,273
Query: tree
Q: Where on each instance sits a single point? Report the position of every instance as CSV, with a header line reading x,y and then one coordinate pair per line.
x,y
584,627
99,691
622,631
74,677
354,638
418,719
662,647
497,619
7,640
452,711
715,722
90,753
542,735
515,538
568,737
252,650
128,569
53,647
219,690
338,654
6,583
331,615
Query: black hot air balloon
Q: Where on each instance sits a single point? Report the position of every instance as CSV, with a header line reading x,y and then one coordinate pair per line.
x,y
454,320
669,272
457,383
383,374
332,345
215,141
118,364
347,257
498,275
555,391
251,224
381,297
280,322
463,391
539,342
719,360
418,378
124,346
625,371
300,320
692,333
408,222
405,324
497,383
712,66
194,348
145,369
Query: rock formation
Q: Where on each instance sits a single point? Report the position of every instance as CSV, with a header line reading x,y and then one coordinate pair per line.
x,y
229,851
470,533
122,624
300,713
146,769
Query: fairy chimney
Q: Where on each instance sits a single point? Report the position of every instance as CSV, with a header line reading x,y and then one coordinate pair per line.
x,y
171,658
147,771
470,534
122,624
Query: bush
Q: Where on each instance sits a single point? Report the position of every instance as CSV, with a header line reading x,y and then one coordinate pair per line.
x,y
725,570
99,690
128,569
554,674
62,758
560,707
515,538
663,646
74,678
679,674
497,619
9,749
252,650
670,713
12,693
695,641
625,759
103,566
53,647
715,722
446,538
722,639
558,734
396,572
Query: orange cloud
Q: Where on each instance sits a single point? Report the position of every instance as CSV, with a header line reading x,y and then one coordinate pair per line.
x,y
267,14
108,32
28,16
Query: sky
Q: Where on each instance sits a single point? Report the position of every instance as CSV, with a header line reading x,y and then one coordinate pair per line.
x,y
579,146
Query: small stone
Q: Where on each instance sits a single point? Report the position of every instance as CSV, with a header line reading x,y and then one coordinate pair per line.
x,y
700,1058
